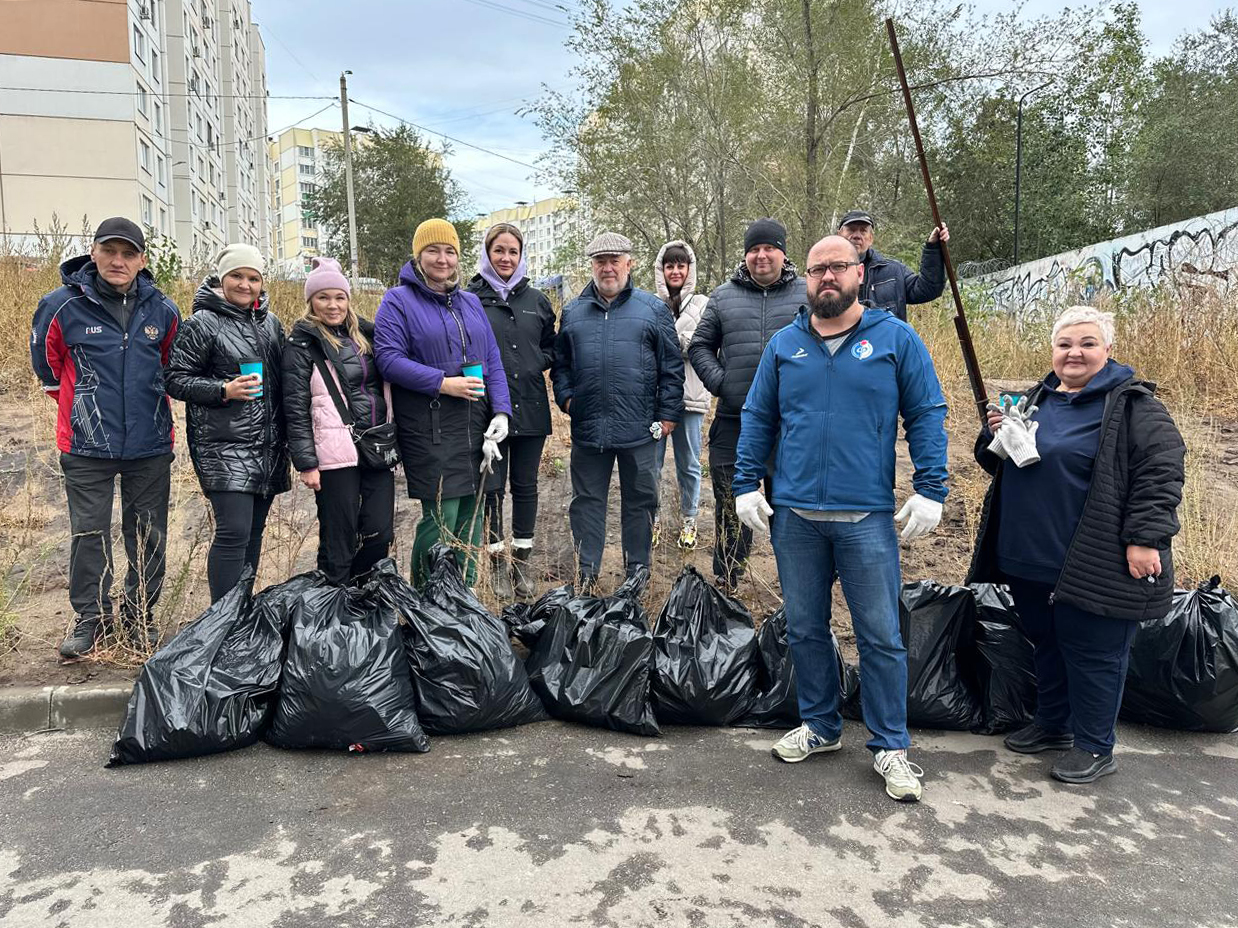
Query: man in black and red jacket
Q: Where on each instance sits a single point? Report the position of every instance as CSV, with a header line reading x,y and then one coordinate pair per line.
x,y
99,345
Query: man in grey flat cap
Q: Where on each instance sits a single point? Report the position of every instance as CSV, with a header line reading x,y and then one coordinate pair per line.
x,y
618,373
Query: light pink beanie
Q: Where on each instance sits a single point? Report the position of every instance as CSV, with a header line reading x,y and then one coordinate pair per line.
x,y
326,275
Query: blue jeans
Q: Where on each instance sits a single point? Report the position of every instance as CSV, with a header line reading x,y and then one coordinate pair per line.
x,y
865,554
687,441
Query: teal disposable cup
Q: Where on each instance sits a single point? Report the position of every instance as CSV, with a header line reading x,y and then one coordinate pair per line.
x,y
253,367
473,369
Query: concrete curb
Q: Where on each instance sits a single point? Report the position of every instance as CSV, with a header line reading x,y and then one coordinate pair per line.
x,y
38,708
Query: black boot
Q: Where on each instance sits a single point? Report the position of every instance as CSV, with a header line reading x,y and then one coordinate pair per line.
x,y
1080,766
522,572
82,639
500,582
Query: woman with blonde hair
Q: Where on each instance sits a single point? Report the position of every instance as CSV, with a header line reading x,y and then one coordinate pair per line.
x,y
448,390
524,326
334,400
1087,477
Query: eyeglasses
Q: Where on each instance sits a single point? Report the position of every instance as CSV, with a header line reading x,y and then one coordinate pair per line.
x,y
838,268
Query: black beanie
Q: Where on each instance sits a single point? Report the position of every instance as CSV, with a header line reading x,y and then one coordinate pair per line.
x,y
766,232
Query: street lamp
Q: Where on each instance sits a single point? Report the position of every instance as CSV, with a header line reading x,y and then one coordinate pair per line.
x,y
1018,162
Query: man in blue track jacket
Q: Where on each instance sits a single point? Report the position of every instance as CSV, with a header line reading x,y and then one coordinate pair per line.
x,y
830,388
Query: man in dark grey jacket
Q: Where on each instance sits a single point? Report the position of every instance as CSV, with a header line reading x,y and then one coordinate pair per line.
x,y
762,296
889,284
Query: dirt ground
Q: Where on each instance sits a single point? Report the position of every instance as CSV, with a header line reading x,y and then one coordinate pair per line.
x,y
34,608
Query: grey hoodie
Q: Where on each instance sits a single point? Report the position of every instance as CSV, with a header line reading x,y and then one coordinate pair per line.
x,y
691,304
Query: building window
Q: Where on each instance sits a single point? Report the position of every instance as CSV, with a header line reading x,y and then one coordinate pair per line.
x,y
144,155
148,209
141,99
163,220
306,188
158,120
309,241
139,43
154,67
161,171
306,169
305,152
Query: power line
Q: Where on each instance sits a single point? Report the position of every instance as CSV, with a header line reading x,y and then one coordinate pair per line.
x,y
520,14
153,93
450,138
267,30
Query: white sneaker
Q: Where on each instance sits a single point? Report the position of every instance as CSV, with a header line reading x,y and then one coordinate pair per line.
x,y
797,745
901,775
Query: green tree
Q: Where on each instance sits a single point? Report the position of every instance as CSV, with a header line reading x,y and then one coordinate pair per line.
x,y
398,182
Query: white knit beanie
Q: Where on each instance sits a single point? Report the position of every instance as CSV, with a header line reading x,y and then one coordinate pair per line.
x,y
238,255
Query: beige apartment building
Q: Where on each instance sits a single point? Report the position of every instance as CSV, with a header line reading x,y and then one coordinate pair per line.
x,y
151,109
295,163
547,225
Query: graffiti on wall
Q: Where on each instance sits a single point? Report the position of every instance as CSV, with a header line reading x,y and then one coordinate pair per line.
x,y
1199,254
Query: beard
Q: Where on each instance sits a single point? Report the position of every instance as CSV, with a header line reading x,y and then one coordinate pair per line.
x,y
826,304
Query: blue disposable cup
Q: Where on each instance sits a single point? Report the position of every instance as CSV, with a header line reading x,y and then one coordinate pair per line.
x,y
473,369
253,367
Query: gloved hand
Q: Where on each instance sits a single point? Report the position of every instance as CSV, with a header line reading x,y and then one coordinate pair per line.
x,y
497,430
1016,438
656,431
922,515
753,511
489,454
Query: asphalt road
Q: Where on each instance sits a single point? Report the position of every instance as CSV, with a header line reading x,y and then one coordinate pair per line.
x,y
554,825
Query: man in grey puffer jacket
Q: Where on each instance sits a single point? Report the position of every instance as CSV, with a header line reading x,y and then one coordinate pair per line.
x,y
762,296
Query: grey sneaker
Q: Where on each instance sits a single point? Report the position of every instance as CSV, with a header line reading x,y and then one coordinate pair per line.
x,y
799,744
901,775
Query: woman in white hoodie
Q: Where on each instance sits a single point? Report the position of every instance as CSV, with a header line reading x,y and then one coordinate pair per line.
x,y
674,271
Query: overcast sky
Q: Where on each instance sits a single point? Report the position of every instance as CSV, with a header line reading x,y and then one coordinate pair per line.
x,y
463,67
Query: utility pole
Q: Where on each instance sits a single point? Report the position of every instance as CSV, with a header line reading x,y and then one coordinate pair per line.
x,y
1018,162
352,206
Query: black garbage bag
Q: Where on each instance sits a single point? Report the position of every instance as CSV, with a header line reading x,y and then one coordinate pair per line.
x,y
593,661
466,676
705,656
1183,670
346,684
937,626
525,622
1005,672
212,687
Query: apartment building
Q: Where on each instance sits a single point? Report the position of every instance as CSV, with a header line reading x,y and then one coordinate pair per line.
x,y
548,226
295,162
151,109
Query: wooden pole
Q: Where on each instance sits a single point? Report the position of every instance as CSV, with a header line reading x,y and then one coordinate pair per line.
x,y
960,318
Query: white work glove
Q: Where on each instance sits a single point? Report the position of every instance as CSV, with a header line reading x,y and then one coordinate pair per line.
x,y
922,515
489,454
753,511
497,430
656,431
1016,439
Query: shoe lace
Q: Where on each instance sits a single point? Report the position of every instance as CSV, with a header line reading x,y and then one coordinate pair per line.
x,y
801,737
895,767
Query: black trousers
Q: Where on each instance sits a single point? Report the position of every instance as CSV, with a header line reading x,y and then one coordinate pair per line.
x,y
144,487
638,494
522,458
240,519
1080,660
732,539
356,512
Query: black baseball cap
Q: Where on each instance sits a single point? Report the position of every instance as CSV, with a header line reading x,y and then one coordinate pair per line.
x,y
124,229
858,215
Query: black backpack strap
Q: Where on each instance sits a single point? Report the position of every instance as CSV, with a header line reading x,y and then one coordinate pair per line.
x,y
320,362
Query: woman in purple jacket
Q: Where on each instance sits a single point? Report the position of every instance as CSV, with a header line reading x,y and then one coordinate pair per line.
x,y
435,347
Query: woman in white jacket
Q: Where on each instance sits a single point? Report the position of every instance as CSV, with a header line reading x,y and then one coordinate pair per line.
x,y
674,272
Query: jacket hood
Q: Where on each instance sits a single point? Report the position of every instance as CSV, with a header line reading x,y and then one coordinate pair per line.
x,y
659,278
81,272
743,277
1113,374
210,295
410,275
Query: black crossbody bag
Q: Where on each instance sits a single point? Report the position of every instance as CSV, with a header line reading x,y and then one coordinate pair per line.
x,y
376,445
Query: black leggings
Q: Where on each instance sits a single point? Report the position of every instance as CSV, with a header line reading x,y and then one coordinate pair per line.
x,y
239,521
522,457
356,508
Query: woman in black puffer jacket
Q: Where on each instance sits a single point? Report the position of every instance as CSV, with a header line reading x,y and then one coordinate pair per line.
x,y
235,420
356,504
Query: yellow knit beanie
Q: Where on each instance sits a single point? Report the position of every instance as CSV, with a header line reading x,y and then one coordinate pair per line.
x,y
435,232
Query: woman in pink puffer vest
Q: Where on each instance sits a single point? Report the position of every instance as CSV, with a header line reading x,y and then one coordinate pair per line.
x,y
356,504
